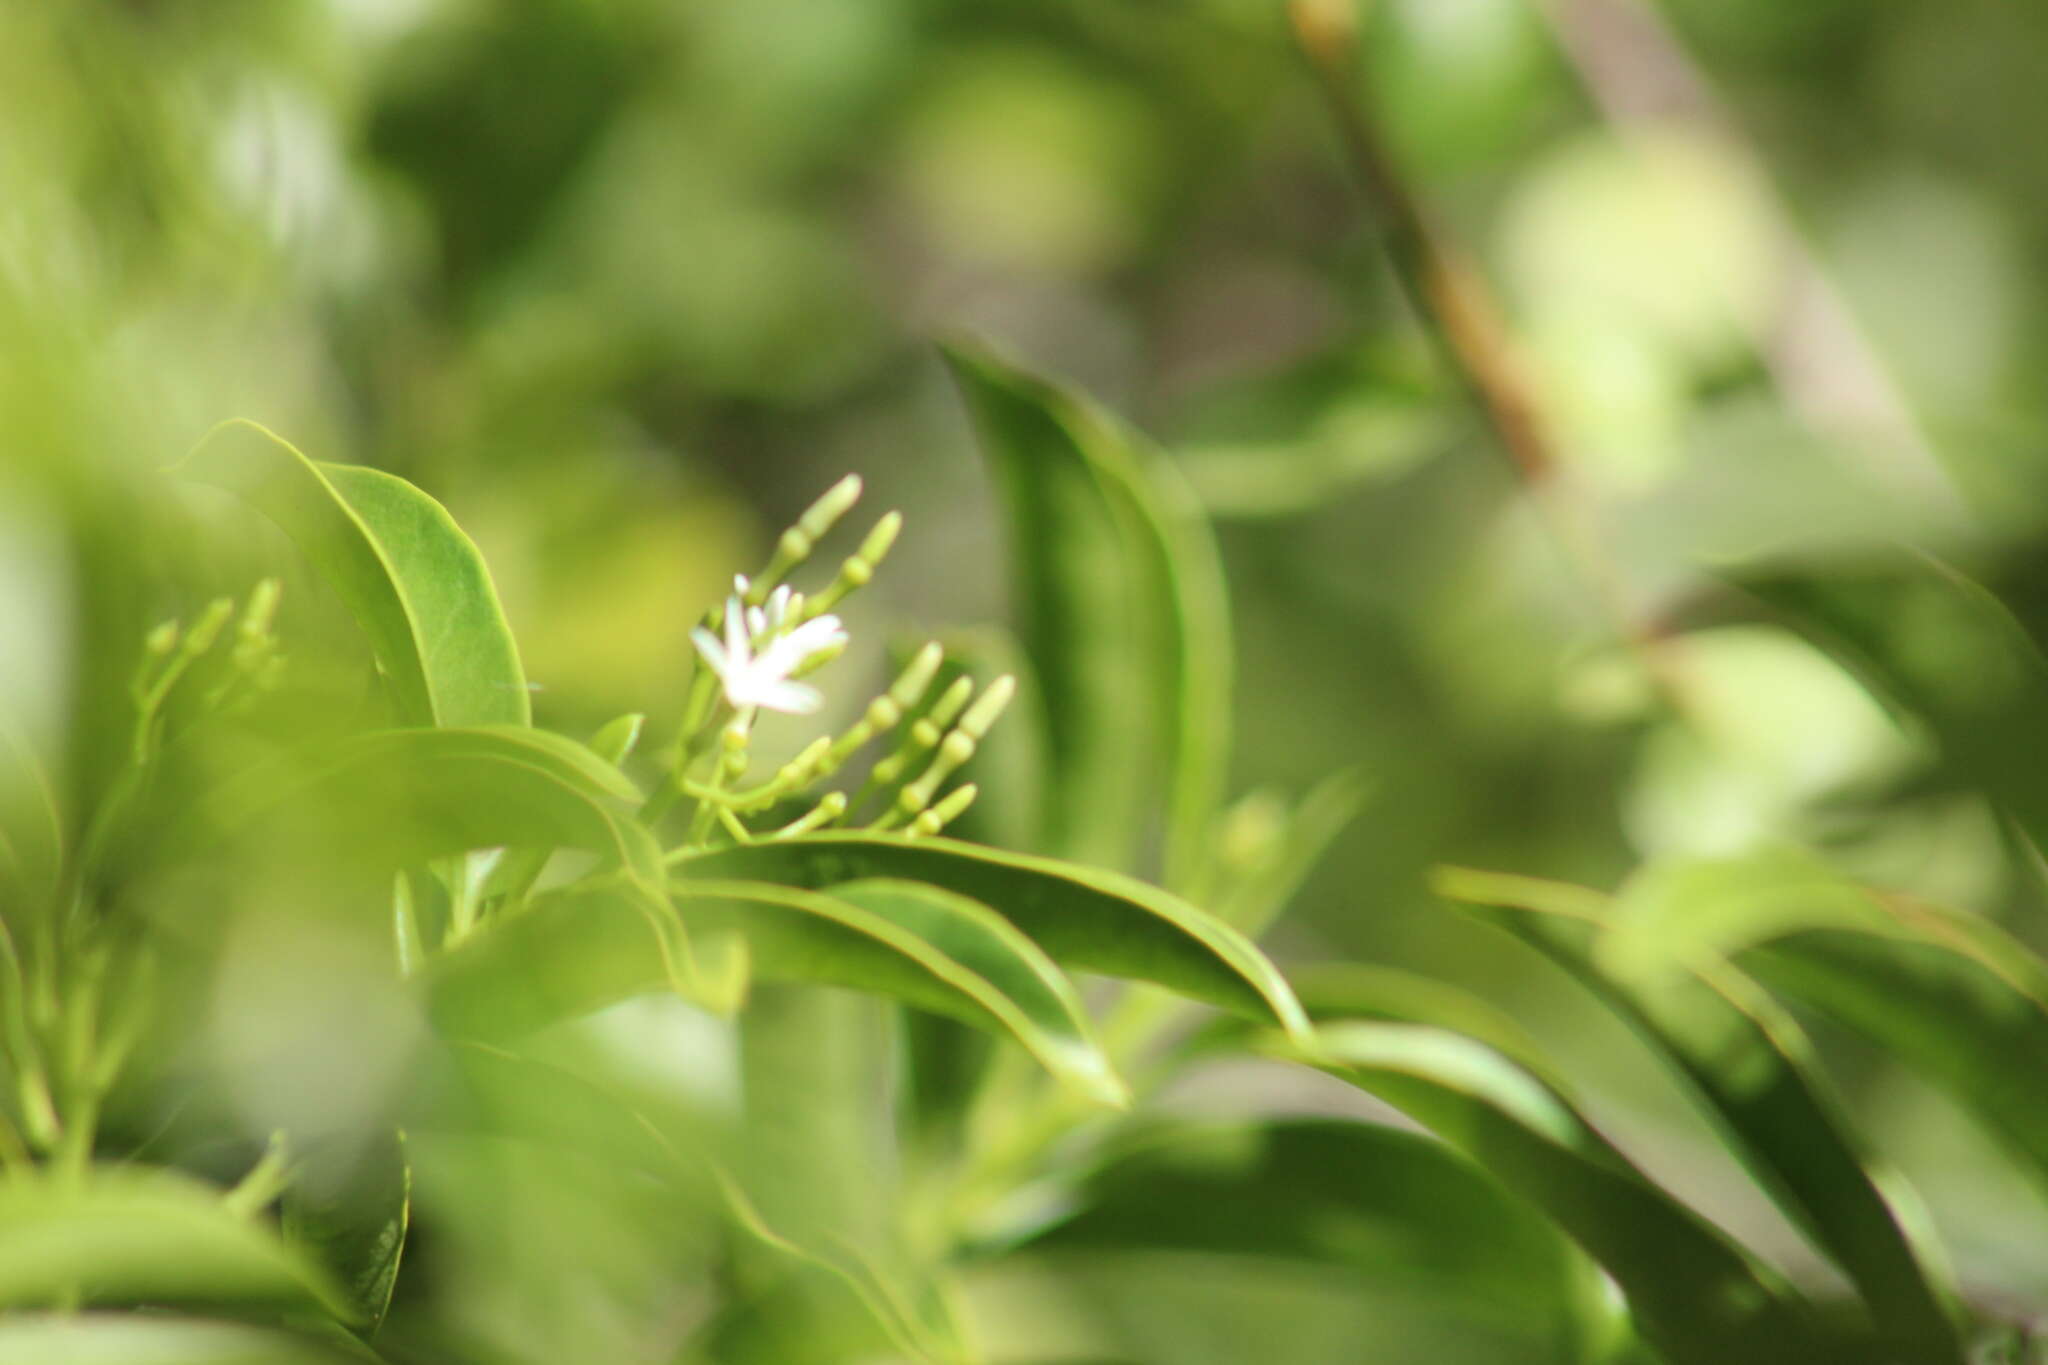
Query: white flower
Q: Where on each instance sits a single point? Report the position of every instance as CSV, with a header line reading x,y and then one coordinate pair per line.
x,y
762,679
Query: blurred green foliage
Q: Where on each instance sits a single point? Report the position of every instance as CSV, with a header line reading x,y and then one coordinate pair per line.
x,y
625,282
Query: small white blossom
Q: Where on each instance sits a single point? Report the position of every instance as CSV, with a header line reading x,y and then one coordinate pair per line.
x,y
762,679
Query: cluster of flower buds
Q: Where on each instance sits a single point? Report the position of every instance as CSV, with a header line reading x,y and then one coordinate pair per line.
x,y
761,640
254,664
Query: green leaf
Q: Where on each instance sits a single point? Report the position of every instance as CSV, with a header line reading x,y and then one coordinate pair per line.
x,y
1932,643
571,953
350,1204
1122,607
130,1235
580,951
414,581
154,1339
402,797
1087,919
1393,1208
1026,991
1350,990
1693,1294
1952,997
1752,1067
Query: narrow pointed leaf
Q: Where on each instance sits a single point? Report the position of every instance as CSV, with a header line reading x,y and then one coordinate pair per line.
x,y
414,582
1087,919
1752,1067
1121,606
1937,646
1694,1295
1031,995
1956,1000
1393,1208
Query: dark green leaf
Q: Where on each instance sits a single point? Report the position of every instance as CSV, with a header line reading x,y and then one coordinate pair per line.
x,y
1751,1066
1391,1207
349,1204
1121,606
414,581
130,1235
1693,1294
1027,992
1087,919
1939,647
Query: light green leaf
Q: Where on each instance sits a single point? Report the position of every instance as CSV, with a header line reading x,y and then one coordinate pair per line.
x,y
1752,1067
401,797
154,1339
131,1235
1122,608
580,951
1029,994
1934,644
1087,919
414,581
1393,1208
350,1205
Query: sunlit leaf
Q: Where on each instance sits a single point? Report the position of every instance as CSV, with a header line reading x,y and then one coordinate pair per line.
x,y
1121,606
1031,995
405,796
580,951
1085,919
414,581
1939,647
130,1235
155,1339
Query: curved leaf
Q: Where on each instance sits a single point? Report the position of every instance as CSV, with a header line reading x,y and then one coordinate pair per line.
x,y
1933,643
405,796
413,580
1097,921
154,1339
146,1236
582,950
1964,1007
350,1205
1751,1065
1693,1294
1391,1207
1030,994
1122,607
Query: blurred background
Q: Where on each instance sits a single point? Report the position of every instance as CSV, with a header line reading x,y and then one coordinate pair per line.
x,y
627,282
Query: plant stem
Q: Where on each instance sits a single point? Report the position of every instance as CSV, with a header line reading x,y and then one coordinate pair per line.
x,y
1455,305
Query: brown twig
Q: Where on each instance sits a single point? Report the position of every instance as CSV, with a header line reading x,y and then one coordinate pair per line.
x,y
1442,284
1452,299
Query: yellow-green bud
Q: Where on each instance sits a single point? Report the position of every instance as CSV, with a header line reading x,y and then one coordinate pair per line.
x,y
982,715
